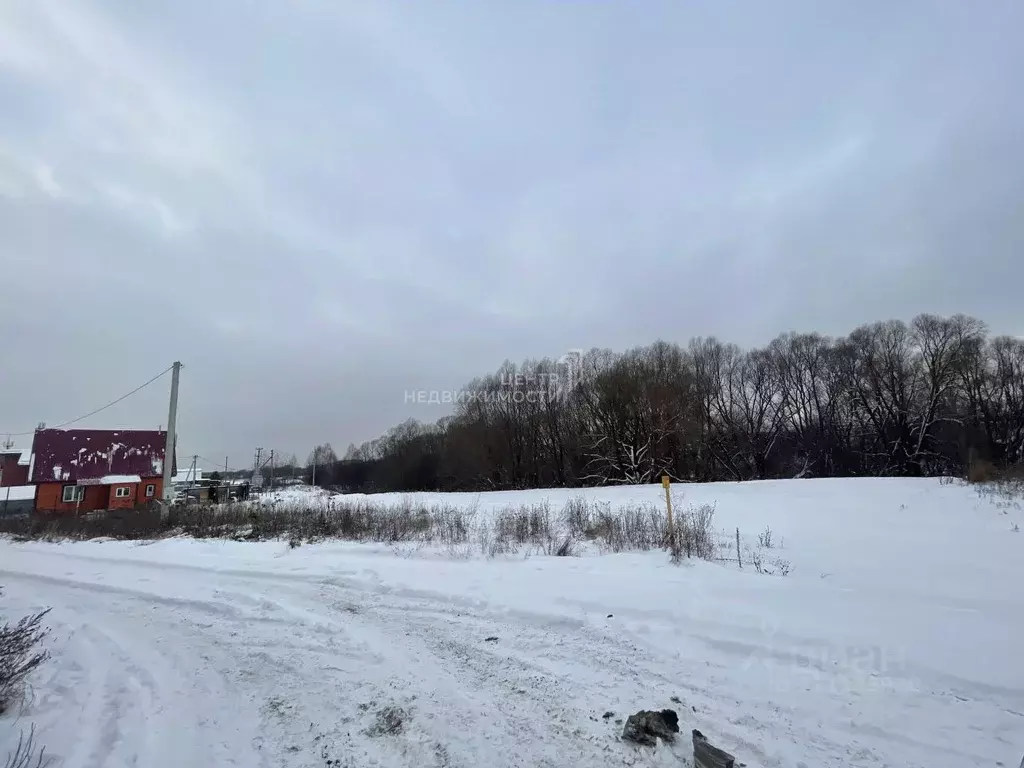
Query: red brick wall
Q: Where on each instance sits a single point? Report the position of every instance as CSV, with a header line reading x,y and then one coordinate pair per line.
x,y
49,497
125,502
12,473
140,491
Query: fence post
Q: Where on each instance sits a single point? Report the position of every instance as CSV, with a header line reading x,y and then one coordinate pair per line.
x,y
666,483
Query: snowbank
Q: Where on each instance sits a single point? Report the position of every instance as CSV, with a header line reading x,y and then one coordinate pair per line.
x,y
294,495
893,641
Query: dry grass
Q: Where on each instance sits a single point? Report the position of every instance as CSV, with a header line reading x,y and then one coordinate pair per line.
x,y
642,527
530,528
981,471
1003,488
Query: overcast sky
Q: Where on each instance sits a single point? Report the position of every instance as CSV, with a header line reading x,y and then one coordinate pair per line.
x,y
319,205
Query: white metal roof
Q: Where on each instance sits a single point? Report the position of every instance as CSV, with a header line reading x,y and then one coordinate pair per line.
x,y
24,454
17,493
187,475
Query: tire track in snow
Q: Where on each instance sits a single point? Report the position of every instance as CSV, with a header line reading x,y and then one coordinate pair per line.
x,y
126,688
309,663
192,665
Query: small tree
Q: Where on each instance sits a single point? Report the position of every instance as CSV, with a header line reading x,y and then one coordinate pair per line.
x,y
320,463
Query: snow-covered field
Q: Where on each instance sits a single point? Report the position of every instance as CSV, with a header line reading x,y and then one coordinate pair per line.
x,y
895,640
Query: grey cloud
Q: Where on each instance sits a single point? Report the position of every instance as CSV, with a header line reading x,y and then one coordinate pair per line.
x,y
319,206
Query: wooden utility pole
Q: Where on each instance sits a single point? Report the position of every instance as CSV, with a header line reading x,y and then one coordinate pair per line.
x,y
257,470
172,418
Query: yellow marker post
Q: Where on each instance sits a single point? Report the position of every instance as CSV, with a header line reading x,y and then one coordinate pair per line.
x,y
667,485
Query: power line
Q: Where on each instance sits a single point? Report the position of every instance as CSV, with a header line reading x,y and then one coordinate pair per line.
x,y
217,464
98,410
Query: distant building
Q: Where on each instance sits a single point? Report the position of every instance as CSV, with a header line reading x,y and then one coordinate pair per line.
x,y
188,476
82,470
17,499
14,466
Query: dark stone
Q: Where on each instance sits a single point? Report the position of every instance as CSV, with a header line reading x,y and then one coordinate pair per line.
x,y
608,715
706,755
647,727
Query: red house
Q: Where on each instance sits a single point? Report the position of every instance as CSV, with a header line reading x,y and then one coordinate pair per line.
x,y
14,466
82,470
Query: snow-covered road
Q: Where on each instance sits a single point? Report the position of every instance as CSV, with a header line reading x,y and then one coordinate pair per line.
x,y
212,653
258,669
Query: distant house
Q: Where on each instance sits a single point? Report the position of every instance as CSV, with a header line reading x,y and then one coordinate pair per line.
x,y
189,485
83,470
17,499
188,476
14,466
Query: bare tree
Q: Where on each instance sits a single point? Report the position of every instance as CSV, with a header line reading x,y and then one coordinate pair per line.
x,y
890,398
321,462
945,349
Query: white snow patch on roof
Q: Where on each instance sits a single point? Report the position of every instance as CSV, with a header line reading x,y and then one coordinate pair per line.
x,y
112,480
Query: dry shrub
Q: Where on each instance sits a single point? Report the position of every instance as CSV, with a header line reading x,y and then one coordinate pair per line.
x,y
633,527
527,524
981,471
1004,488
20,656
360,521
577,516
641,526
26,754
567,548
694,534
772,566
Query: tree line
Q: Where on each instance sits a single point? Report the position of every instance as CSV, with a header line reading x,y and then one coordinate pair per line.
x,y
891,398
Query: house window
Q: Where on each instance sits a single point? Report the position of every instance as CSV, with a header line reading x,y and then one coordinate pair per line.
x,y
122,493
150,491
73,493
